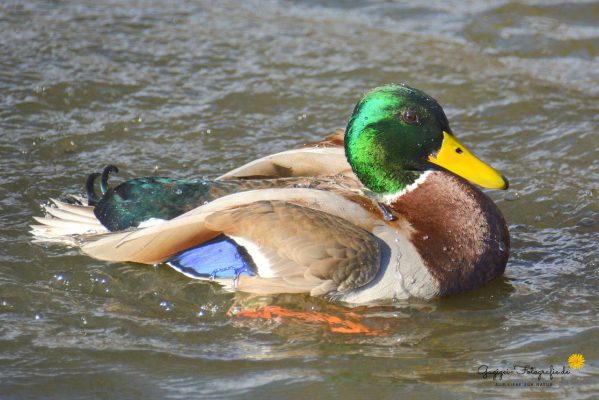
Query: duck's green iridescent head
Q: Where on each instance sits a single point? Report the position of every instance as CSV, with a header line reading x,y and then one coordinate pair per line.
x,y
397,132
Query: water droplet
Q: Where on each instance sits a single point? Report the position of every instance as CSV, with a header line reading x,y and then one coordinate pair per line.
x,y
425,237
59,278
165,305
38,316
83,321
101,281
512,196
4,303
208,131
201,313
178,191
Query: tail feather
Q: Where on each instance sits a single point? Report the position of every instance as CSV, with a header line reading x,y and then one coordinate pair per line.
x,y
64,221
66,215
79,209
78,226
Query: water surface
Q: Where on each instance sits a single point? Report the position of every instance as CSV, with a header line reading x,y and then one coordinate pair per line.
x,y
193,89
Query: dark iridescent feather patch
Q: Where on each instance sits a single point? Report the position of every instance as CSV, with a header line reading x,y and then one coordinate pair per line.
x,y
140,199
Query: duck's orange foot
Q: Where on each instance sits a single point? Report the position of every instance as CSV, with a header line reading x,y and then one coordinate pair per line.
x,y
349,325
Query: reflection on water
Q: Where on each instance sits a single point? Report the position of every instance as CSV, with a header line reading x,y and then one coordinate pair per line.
x,y
195,88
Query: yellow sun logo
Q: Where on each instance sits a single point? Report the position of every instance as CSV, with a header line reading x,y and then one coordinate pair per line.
x,y
576,361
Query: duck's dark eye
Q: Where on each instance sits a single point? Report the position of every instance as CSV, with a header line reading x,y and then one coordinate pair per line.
x,y
411,117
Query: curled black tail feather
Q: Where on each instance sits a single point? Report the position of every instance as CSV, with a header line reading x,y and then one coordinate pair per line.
x,y
92,196
104,179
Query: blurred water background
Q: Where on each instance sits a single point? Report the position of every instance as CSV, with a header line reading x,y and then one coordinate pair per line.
x,y
194,88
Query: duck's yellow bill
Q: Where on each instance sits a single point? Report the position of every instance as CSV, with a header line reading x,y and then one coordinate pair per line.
x,y
456,158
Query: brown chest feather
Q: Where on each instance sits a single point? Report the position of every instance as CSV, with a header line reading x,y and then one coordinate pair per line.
x,y
458,231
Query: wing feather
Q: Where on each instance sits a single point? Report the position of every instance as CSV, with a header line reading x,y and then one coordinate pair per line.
x,y
307,245
296,241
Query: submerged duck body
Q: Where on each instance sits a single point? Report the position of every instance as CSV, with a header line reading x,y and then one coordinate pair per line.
x,y
368,215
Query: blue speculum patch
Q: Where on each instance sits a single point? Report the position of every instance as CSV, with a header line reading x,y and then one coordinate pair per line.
x,y
219,258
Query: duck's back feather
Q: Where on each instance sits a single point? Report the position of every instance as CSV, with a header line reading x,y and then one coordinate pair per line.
x,y
307,161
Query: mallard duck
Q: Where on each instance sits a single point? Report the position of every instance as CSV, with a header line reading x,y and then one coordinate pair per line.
x,y
380,211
